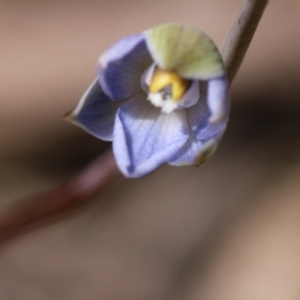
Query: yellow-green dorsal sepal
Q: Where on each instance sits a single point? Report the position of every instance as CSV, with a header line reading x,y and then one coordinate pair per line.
x,y
186,50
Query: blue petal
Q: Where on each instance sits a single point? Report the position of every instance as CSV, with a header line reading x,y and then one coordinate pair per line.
x,y
145,138
95,112
207,119
196,152
209,116
122,65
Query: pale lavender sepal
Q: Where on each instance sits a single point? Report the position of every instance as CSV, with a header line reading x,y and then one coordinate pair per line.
x,y
121,67
195,152
209,116
95,113
145,138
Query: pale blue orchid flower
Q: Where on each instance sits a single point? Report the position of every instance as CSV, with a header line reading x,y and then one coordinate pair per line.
x,y
161,96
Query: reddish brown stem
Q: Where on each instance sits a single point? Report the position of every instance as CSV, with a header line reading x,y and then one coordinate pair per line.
x,y
64,198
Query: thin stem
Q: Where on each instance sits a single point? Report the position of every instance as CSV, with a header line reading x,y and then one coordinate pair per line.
x,y
66,197
240,36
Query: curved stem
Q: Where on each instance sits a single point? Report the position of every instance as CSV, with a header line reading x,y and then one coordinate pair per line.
x,y
240,35
66,197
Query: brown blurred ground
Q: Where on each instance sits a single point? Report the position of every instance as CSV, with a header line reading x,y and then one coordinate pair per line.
x,y
228,230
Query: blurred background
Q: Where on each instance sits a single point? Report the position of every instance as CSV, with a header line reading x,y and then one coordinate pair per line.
x,y
229,230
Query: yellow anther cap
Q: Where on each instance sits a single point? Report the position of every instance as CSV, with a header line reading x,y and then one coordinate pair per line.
x,y
163,78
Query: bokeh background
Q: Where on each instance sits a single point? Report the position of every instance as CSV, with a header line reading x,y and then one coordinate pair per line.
x,y
229,230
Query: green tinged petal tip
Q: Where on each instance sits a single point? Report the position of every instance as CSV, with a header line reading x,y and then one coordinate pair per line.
x,y
186,50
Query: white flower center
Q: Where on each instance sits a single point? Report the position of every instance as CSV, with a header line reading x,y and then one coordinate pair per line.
x,y
163,100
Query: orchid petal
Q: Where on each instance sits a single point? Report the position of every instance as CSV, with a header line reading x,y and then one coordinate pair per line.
x,y
121,67
145,138
209,116
95,112
195,152
185,49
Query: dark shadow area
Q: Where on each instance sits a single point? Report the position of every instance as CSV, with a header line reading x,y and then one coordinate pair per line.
x,y
63,155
